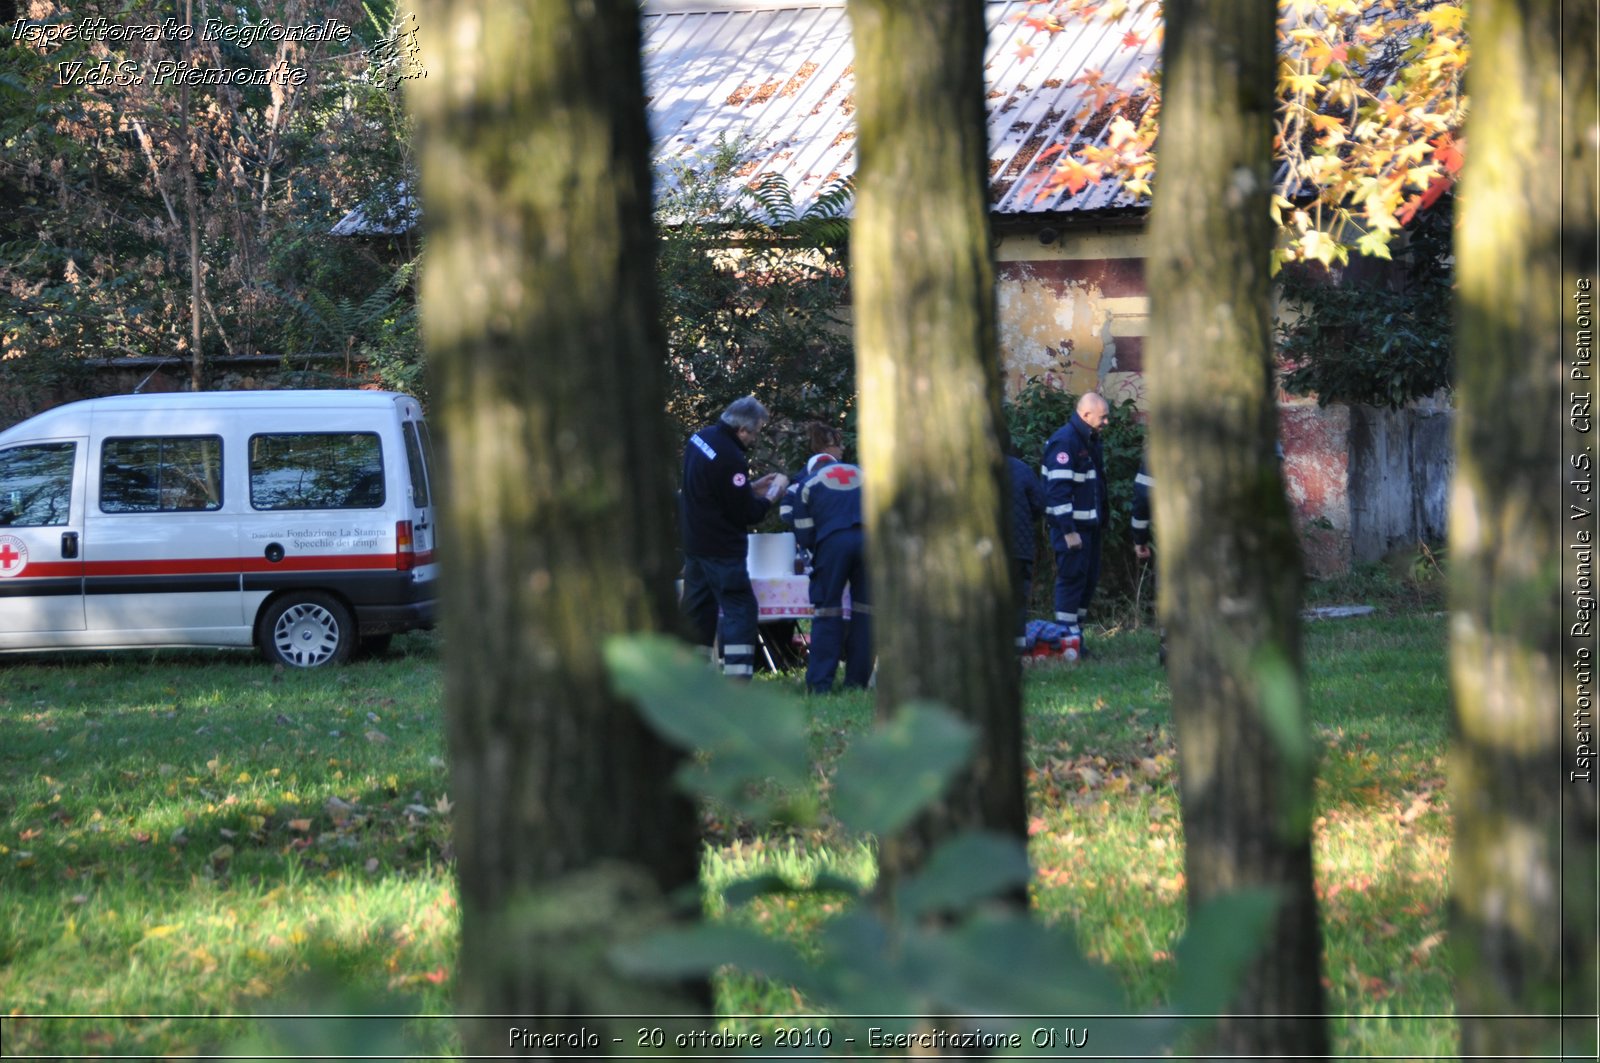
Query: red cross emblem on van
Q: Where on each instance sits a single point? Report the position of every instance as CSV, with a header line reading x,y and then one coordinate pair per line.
x,y
13,556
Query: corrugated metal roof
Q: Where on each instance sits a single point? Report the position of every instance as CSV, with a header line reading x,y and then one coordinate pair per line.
x,y
776,77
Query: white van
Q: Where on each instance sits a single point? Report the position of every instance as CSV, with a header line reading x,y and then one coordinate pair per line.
x,y
300,522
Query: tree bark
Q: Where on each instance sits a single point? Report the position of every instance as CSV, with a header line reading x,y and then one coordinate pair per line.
x,y
1229,560
548,362
929,378
191,206
1523,890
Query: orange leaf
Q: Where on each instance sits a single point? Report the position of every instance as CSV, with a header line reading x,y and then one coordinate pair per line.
x,y
1035,825
1074,175
1131,40
300,824
1447,150
437,977
1025,50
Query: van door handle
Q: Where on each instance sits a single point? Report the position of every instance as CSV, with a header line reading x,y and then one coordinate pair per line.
x,y
69,545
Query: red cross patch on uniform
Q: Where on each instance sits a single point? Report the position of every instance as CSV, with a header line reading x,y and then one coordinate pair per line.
x,y
1062,458
738,479
840,476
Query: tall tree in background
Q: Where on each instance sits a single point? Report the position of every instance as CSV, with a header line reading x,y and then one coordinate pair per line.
x,y
1526,236
929,407
539,314
1230,563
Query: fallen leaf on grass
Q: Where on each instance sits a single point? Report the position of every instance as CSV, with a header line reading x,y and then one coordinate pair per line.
x,y
221,854
300,825
1419,805
1420,952
444,805
437,977
160,931
377,737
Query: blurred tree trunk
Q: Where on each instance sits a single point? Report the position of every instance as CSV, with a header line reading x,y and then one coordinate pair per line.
x,y
929,378
1230,568
539,311
1523,871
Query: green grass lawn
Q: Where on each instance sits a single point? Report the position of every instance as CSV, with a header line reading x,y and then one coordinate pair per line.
x,y
196,834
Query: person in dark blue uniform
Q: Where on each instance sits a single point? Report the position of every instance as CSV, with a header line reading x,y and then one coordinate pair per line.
x,y
1075,508
718,505
1140,528
1027,506
827,521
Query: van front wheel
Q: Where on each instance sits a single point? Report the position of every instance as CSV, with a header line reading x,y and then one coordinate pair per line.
x,y
306,630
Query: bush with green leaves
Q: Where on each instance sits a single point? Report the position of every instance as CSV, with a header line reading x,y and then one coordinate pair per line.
x,y
1380,341
945,941
752,289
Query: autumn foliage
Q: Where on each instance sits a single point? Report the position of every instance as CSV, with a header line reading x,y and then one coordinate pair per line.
x,y
1367,131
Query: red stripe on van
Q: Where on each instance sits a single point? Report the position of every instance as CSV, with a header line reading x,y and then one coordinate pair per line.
x,y
202,566
199,566
46,569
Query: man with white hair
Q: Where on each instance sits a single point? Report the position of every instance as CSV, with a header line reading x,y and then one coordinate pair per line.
x,y
718,505
1073,468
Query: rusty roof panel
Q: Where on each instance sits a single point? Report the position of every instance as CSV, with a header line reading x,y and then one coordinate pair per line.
x,y
777,77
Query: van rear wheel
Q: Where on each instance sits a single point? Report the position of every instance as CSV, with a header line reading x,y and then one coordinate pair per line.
x,y
306,630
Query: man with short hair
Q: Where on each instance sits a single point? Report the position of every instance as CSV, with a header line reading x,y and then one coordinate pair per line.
x,y
1075,508
718,505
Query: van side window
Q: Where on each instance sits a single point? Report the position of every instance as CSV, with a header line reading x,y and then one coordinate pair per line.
x,y
417,465
36,485
161,474
316,470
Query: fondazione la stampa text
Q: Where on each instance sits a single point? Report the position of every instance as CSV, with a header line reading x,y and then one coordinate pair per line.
x,y
243,35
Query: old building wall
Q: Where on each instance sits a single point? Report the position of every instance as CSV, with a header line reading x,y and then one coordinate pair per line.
x,y
1073,309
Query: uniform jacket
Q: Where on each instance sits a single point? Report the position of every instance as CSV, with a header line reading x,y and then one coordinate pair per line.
x,y
1027,506
718,506
1141,504
1074,481
828,501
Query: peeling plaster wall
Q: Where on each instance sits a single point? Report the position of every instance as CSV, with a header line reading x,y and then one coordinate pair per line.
x,y
1365,481
1316,472
1074,312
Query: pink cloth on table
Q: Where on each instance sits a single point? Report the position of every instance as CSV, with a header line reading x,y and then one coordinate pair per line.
x,y
786,598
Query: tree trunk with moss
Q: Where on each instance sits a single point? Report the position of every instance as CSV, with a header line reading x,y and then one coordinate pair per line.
x,y
1229,560
1523,871
929,378
548,362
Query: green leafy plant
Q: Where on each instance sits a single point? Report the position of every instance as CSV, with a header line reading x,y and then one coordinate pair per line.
x,y
942,941
1379,339
752,285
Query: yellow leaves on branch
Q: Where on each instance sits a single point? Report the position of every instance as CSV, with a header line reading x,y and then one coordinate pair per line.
x,y
1367,151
